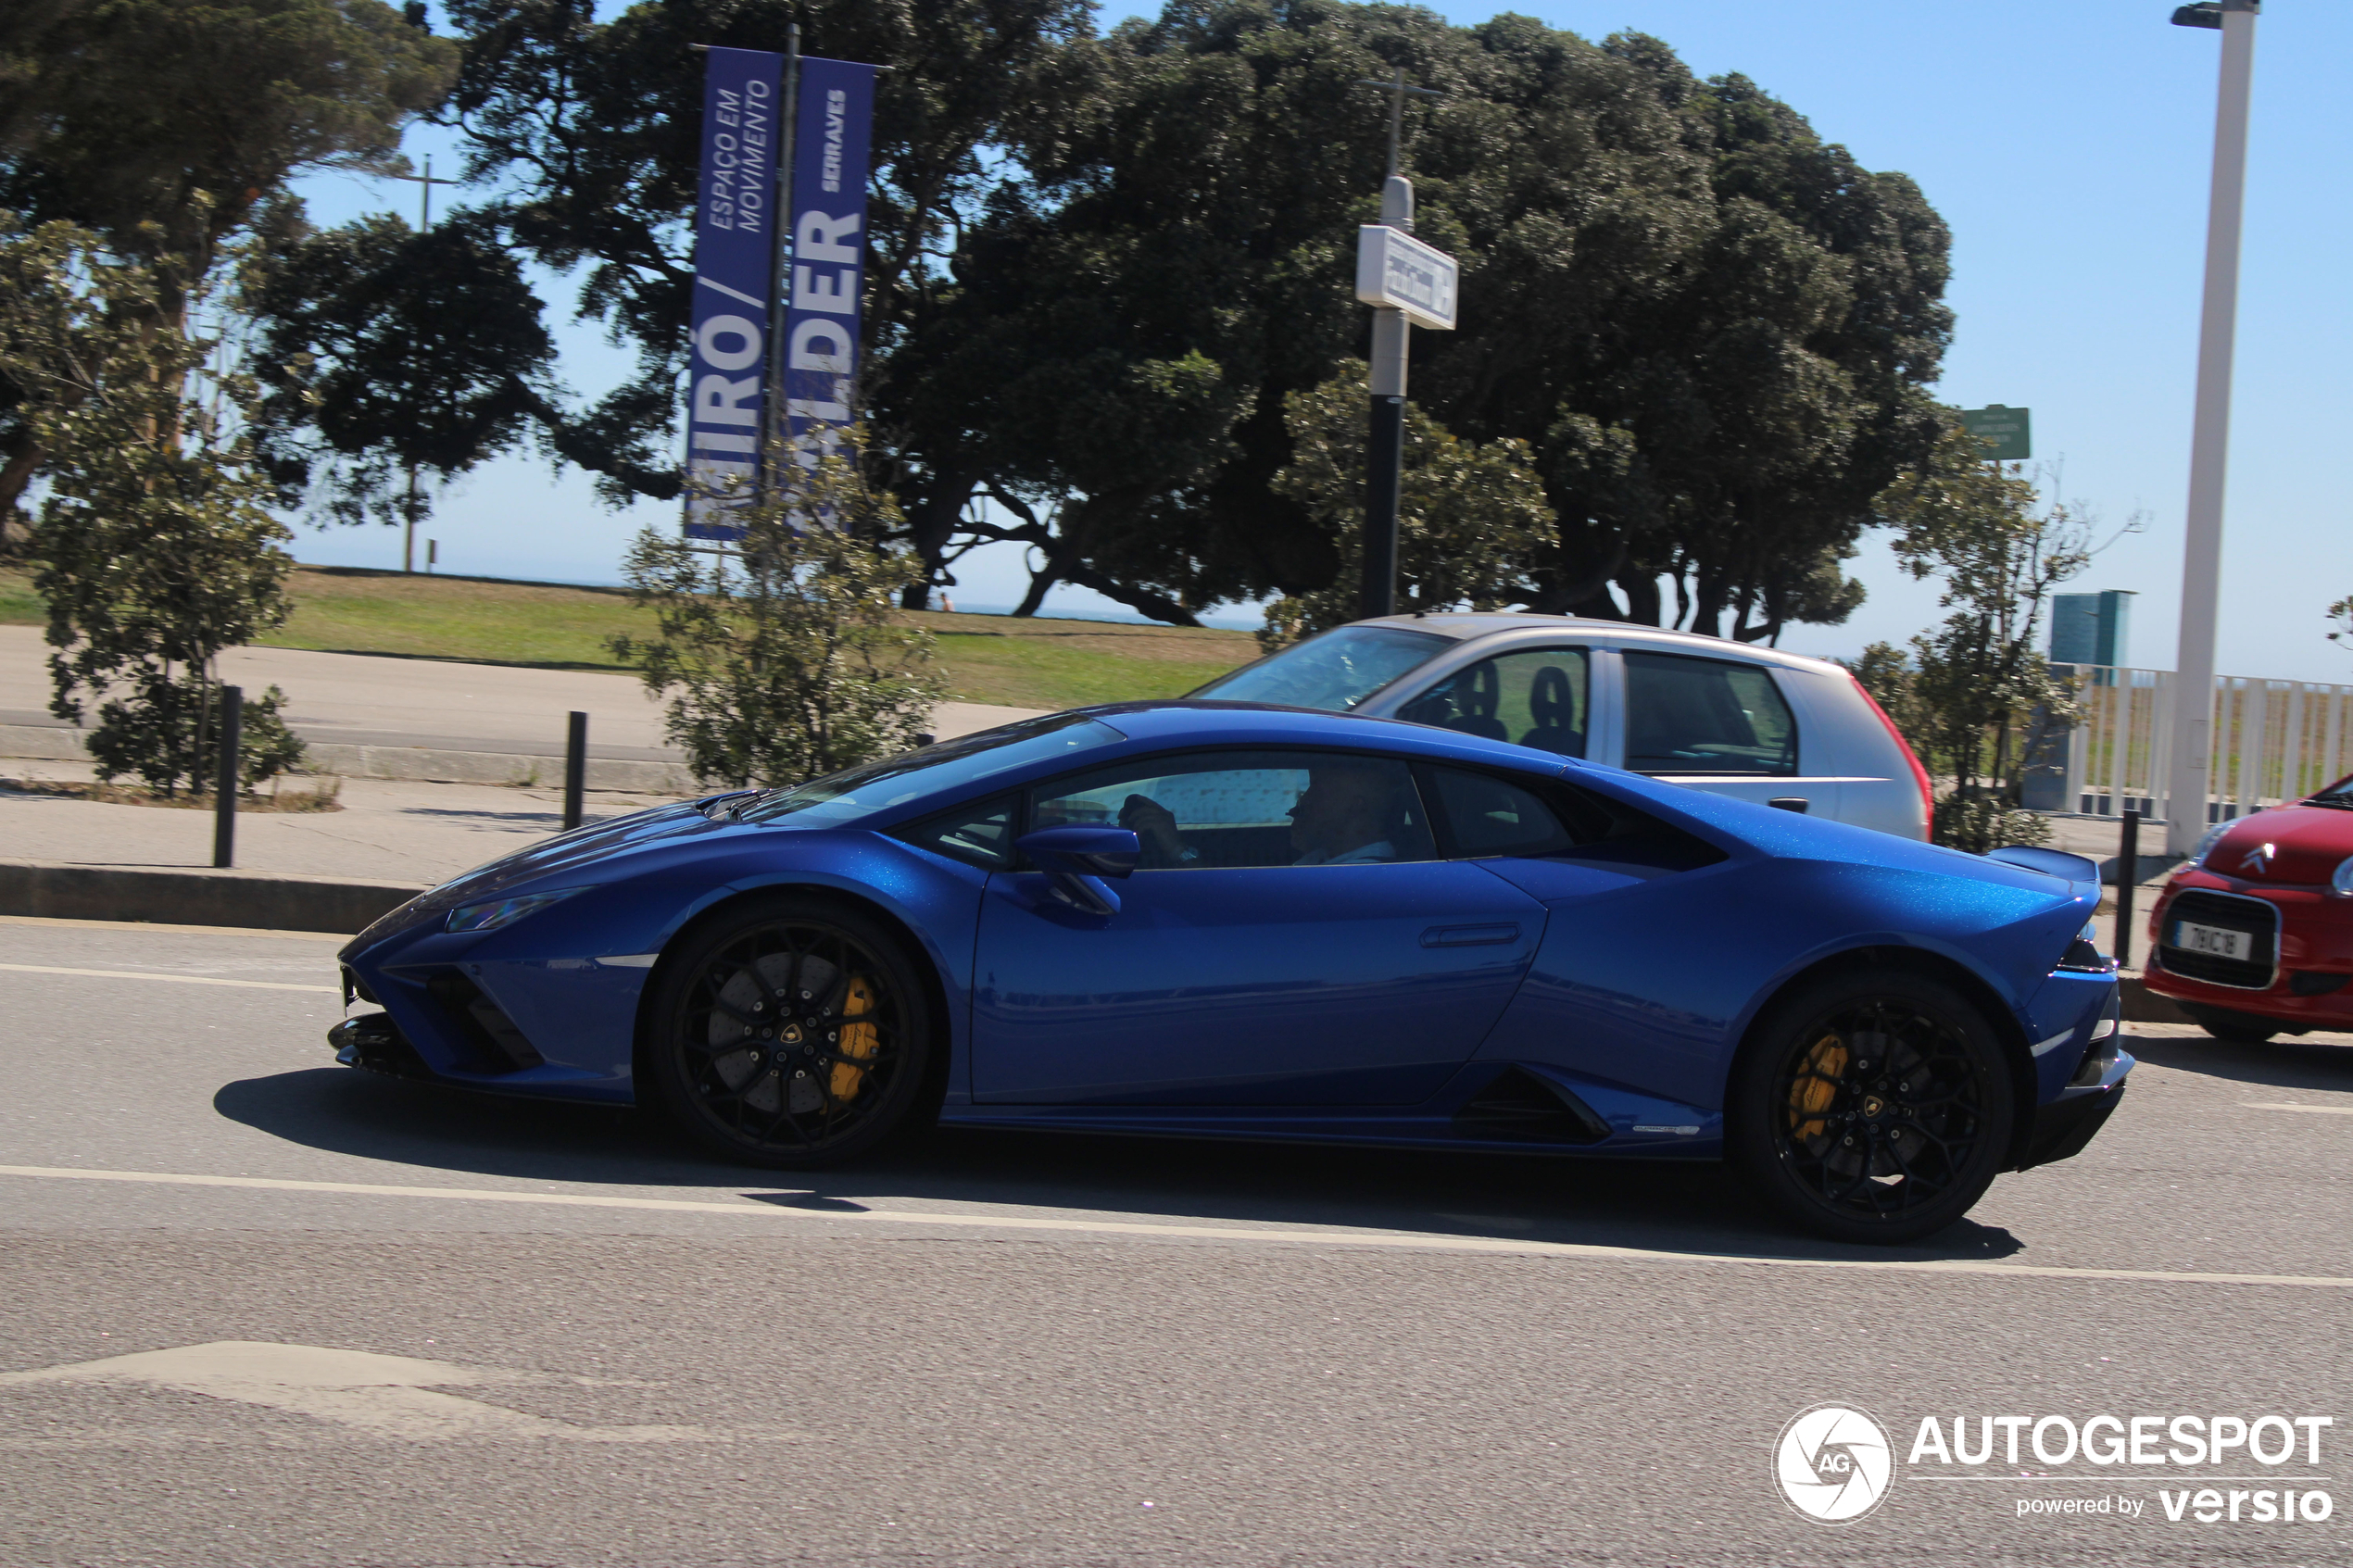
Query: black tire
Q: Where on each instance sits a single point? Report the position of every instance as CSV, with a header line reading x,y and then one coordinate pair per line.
x,y
825,1085
2236,1028
1872,1106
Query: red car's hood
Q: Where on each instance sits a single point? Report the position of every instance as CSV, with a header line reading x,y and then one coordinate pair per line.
x,y
2307,844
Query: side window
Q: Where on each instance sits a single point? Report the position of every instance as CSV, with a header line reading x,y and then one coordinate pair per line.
x,y
1705,716
980,834
1483,816
1480,816
1536,697
1235,809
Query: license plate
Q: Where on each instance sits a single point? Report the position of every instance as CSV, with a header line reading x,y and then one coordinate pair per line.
x,y
2215,941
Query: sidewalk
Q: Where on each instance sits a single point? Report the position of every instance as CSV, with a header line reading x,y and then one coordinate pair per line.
x,y
388,830
376,716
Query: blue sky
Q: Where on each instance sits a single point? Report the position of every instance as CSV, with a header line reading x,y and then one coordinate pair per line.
x,y
2068,147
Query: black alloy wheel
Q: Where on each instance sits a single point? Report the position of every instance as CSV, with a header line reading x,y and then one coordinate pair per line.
x,y
1872,1106
795,1032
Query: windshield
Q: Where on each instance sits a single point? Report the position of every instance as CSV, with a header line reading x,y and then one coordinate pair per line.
x,y
1336,671
2339,794
860,792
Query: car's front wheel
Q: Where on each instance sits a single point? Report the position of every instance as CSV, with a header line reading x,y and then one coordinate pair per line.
x,y
794,1033
1872,1106
2234,1028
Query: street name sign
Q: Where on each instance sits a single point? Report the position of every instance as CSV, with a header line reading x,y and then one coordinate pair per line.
x,y
2009,429
1396,271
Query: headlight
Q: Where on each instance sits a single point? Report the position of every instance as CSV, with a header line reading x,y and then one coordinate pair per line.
x,y
2197,855
2084,955
2341,882
504,911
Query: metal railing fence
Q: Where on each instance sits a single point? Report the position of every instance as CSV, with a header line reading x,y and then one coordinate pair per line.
x,y
2274,741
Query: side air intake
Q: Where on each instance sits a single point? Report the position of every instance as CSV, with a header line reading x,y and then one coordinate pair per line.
x,y
497,1044
1518,1107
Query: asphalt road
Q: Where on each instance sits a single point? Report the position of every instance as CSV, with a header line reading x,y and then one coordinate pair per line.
x,y
257,1309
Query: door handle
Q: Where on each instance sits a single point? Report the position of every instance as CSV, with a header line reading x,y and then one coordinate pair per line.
x,y
1796,803
1469,936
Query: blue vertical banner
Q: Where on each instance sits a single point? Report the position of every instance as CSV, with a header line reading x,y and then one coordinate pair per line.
x,y
832,139
734,264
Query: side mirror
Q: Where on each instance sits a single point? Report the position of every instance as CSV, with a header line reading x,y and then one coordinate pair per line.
x,y
1079,857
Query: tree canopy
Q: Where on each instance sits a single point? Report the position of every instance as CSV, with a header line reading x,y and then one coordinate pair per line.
x,y
165,127
1104,266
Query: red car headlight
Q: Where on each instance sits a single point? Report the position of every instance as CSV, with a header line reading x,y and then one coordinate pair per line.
x,y
2341,884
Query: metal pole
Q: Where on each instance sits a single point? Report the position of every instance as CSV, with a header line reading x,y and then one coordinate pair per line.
x,y
2187,785
1385,443
2128,877
780,288
225,779
575,768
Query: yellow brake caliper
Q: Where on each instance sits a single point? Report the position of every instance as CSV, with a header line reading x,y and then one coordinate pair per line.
x,y
1816,1086
857,1040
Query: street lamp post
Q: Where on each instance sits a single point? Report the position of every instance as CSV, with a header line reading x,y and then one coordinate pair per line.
x,y
2187,786
424,222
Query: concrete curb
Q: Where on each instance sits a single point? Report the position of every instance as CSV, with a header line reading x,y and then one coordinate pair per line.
x,y
415,764
2145,1006
60,890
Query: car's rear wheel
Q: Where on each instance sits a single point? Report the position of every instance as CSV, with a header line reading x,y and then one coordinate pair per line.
x,y
792,1033
1872,1106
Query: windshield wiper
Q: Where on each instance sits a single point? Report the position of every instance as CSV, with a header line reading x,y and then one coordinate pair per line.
x,y
2336,799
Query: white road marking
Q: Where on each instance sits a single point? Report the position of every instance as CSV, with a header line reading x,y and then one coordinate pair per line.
x,y
2315,1109
1391,1240
180,930
383,1396
182,979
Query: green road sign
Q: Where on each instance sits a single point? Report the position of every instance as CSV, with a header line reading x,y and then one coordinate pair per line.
x,y
2008,429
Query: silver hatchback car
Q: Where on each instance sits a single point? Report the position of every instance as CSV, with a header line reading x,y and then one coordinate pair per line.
x,y
1751,723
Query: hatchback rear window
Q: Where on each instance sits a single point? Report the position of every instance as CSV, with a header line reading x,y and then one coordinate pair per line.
x,y
1705,716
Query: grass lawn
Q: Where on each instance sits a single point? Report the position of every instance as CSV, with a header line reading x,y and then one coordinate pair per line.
x,y
1032,663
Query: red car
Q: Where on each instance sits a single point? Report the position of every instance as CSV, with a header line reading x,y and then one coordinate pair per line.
x,y
2253,935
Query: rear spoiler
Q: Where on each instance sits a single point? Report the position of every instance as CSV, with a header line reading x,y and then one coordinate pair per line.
x,y
2084,872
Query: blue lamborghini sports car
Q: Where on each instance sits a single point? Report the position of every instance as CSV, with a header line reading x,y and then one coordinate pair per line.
x,y
1221,919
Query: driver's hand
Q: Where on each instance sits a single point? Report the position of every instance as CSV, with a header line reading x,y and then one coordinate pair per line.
x,y
1154,823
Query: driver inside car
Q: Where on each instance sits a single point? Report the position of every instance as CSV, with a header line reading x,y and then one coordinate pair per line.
x,y
1347,815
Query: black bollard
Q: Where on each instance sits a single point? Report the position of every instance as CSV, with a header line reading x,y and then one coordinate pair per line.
x,y
575,768
2128,873
225,782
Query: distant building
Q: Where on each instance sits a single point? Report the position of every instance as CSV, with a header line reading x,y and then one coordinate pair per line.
x,y
2090,628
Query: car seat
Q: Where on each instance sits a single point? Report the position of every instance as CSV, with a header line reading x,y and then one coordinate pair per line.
x,y
1552,705
1476,692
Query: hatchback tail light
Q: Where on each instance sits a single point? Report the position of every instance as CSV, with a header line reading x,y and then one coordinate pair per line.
x,y
1919,774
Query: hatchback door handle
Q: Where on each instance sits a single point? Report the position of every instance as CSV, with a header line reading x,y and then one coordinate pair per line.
x,y
1469,936
1796,803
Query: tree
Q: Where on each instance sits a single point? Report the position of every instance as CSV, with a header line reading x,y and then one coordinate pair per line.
x,y
787,660
1709,328
593,127
393,352
1473,528
155,550
1978,693
1101,265
168,126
